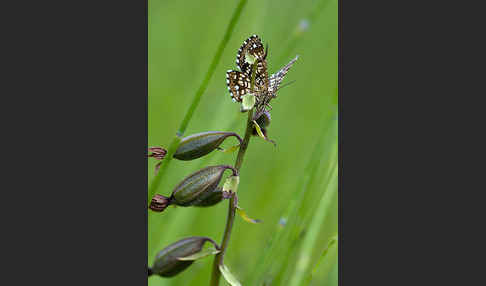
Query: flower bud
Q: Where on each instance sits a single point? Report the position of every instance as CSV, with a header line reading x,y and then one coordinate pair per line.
x,y
159,203
168,261
200,144
198,185
157,152
198,189
263,118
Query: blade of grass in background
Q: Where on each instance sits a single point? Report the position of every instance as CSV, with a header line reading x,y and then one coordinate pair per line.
x,y
331,245
195,101
280,241
303,263
299,228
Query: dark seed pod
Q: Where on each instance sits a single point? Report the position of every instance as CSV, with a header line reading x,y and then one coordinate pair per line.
x,y
209,198
167,263
200,144
199,185
198,189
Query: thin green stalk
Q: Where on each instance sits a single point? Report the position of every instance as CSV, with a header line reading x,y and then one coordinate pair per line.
x,y
304,215
219,258
282,236
195,101
332,243
303,261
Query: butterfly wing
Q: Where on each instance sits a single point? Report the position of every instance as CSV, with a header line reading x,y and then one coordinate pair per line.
x,y
238,84
276,78
254,47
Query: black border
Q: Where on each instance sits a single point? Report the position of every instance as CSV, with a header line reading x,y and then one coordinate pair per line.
x,y
75,118
75,109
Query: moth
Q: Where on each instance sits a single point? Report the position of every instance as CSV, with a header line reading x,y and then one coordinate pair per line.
x,y
266,87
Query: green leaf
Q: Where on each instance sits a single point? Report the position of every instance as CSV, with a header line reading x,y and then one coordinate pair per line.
x,y
248,101
230,149
199,255
243,215
259,130
228,276
231,184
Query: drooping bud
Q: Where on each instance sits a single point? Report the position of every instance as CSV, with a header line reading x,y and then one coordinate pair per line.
x,y
159,203
200,144
198,189
263,118
170,261
157,152
199,184
259,126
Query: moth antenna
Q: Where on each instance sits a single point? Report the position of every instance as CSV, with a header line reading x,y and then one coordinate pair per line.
x,y
284,85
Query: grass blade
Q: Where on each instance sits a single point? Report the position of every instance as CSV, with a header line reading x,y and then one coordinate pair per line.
x,y
303,262
196,99
228,276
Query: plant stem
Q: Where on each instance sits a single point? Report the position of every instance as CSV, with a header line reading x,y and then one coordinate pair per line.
x,y
218,259
246,140
233,202
195,101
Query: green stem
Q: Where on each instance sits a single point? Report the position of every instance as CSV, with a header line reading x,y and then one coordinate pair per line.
x,y
233,202
309,241
218,259
195,101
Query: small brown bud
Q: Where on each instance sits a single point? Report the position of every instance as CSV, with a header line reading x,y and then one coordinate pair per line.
x,y
157,152
159,203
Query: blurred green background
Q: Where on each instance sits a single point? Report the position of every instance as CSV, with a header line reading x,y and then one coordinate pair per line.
x,y
293,187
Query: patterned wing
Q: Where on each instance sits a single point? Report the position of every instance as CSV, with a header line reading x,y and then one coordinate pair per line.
x,y
261,76
276,78
253,46
238,84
